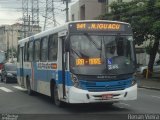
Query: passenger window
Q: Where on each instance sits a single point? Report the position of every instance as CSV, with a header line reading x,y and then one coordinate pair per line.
x,y
30,51
25,52
44,49
18,56
37,50
53,47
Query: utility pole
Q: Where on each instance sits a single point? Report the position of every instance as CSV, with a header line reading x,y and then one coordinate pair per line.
x,y
35,15
49,15
7,44
12,45
25,18
67,11
29,26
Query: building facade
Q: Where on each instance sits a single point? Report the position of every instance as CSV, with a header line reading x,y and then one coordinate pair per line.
x,y
90,9
10,34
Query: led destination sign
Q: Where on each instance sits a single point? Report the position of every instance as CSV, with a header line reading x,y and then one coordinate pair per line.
x,y
101,26
97,27
90,61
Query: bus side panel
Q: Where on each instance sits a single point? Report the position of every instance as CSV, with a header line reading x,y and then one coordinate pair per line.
x,y
42,84
18,73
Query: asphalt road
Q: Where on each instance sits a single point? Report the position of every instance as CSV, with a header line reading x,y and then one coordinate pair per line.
x,y
14,100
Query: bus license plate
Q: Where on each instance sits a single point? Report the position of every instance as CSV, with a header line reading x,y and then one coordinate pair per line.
x,y
107,96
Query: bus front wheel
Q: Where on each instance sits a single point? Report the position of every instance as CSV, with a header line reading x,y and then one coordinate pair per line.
x,y
29,91
55,96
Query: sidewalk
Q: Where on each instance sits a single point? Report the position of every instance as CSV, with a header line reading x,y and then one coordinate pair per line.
x,y
150,83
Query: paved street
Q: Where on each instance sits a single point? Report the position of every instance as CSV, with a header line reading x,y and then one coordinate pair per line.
x,y
14,99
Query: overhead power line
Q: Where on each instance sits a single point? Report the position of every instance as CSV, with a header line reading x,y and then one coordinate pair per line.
x,y
35,14
50,19
25,18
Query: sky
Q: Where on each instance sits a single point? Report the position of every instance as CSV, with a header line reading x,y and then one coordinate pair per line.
x,y
11,11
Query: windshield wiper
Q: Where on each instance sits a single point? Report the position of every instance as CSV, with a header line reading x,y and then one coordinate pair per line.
x,y
91,40
79,54
76,52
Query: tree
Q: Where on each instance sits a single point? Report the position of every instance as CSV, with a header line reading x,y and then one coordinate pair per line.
x,y
144,17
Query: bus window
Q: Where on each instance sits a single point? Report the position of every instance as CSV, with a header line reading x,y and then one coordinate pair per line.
x,y
44,52
30,51
25,52
18,56
52,47
37,50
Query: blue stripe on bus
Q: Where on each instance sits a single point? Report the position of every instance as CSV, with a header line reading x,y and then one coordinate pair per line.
x,y
94,85
105,86
46,75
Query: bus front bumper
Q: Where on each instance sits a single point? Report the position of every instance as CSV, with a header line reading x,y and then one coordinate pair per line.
x,y
76,95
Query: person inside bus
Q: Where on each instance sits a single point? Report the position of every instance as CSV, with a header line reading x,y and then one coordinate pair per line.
x,y
120,47
111,49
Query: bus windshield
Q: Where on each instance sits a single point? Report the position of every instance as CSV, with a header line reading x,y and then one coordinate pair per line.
x,y
101,54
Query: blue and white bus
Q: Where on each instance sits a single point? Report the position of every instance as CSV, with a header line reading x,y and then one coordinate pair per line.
x,y
80,62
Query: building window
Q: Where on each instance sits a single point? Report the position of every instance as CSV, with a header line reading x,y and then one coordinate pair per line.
x,y
72,17
53,47
44,49
82,12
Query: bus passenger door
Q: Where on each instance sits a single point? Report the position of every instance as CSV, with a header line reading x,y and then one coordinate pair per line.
x,y
21,66
62,37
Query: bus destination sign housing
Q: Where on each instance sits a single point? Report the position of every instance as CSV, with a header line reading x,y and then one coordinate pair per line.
x,y
98,26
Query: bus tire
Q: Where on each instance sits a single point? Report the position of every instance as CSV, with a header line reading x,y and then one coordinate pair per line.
x,y
110,104
144,72
29,91
5,80
55,97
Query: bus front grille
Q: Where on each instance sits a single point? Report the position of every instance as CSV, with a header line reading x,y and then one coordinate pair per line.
x,y
105,86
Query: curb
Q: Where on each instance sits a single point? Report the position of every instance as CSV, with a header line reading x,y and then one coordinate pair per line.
x,y
146,87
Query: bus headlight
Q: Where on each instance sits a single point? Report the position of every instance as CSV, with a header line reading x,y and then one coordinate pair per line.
x,y
75,80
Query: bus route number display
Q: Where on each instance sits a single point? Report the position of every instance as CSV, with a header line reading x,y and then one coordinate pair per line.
x,y
97,27
90,61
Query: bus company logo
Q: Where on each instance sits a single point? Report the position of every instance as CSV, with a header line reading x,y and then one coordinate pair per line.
x,y
106,77
46,66
107,86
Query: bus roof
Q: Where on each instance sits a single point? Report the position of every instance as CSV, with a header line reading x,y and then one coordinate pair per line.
x,y
98,21
62,28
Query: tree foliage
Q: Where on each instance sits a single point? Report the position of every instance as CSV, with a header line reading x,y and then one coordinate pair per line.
x,y
144,17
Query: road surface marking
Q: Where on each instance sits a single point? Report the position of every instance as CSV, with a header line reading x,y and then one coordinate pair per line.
x,y
19,88
120,107
156,97
124,104
5,89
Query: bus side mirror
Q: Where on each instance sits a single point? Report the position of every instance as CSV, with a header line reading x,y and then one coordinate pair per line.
x,y
67,44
